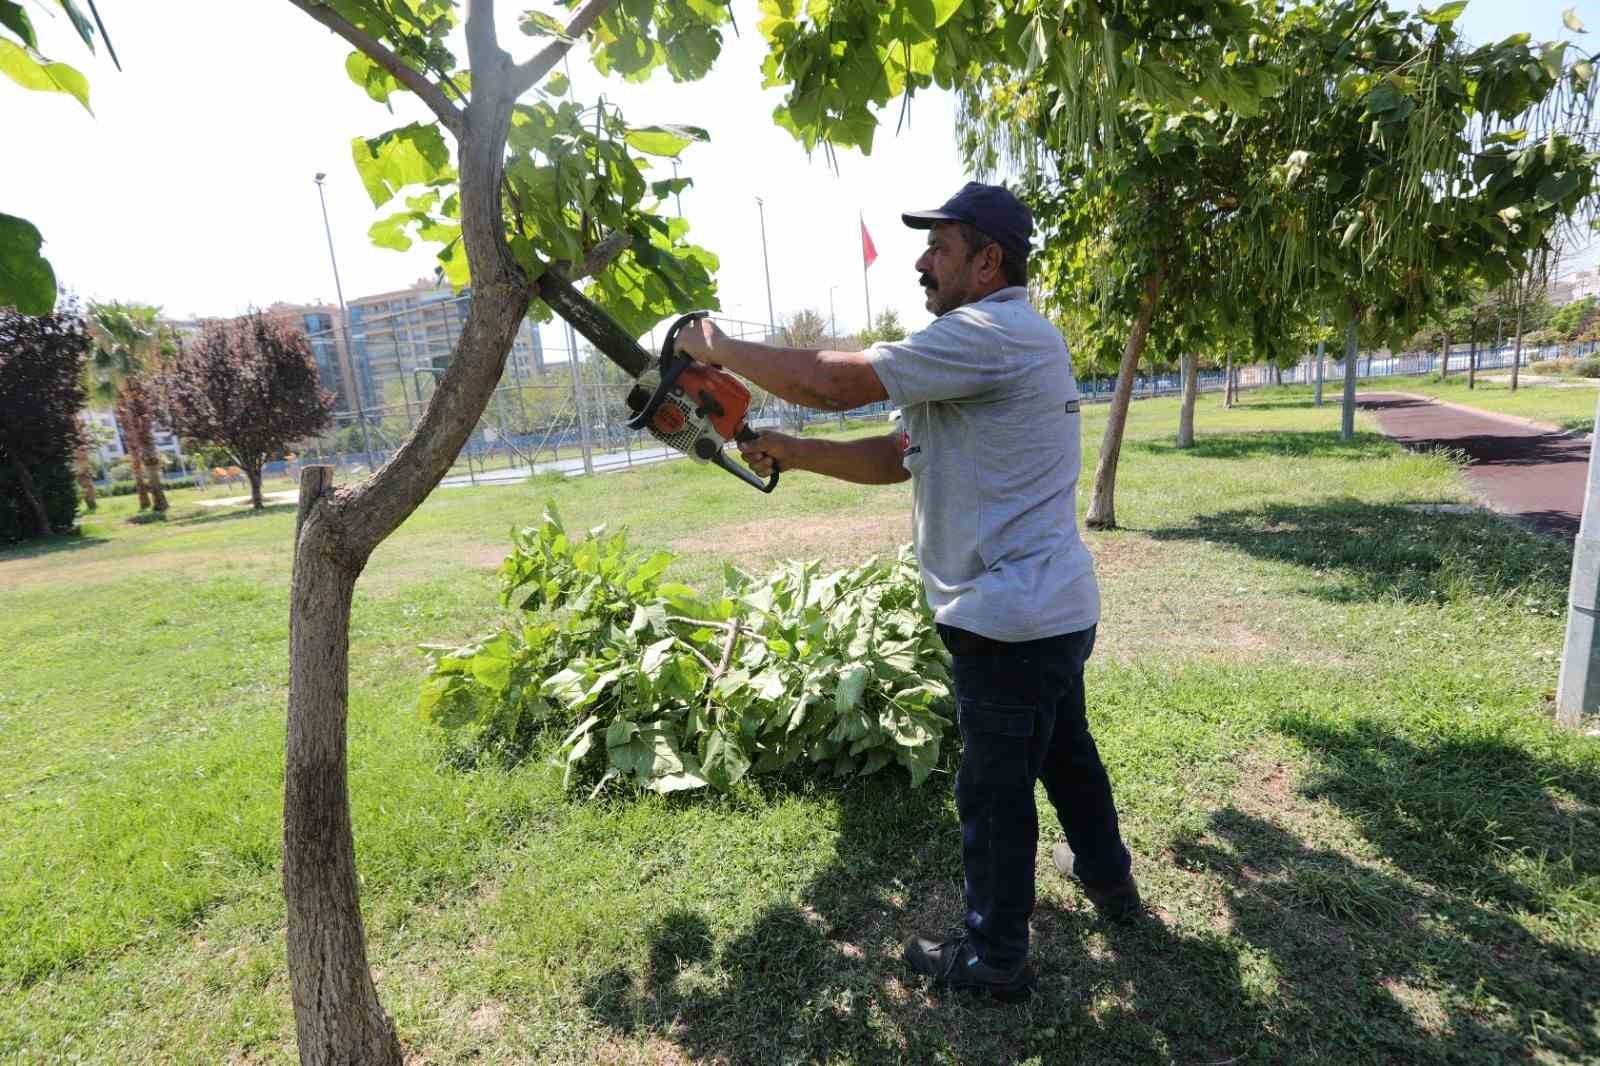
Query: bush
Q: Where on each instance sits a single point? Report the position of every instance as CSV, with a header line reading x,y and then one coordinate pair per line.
x,y
657,686
57,487
1590,367
1559,365
128,487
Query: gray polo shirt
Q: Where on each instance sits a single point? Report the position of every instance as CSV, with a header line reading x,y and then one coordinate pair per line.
x,y
990,433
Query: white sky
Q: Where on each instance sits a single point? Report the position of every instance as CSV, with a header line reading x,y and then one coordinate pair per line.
x,y
191,186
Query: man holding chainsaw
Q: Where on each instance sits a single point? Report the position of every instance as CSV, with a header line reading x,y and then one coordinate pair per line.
x,y
990,438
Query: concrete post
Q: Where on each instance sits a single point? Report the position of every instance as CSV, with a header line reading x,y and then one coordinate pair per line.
x,y
1578,691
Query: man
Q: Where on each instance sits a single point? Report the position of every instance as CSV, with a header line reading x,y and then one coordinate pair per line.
x,y
990,438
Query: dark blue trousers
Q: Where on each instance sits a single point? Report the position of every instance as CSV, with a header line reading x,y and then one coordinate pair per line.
x,y
1022,717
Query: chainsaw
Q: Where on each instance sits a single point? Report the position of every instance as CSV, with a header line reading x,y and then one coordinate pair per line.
x,y
694,408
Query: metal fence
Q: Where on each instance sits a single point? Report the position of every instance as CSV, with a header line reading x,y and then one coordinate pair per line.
x,y
567,416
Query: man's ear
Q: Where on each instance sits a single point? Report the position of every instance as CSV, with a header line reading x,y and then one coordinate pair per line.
x,y
994,256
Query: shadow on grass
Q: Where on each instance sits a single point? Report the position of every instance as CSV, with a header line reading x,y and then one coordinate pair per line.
x,y
63,542
1310,956
1286,443
1376,552
212,516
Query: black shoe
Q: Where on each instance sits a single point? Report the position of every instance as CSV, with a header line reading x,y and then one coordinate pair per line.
x,y
1116,903
953,964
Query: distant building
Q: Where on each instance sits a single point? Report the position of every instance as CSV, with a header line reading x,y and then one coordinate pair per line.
x,y
1584,283
115,447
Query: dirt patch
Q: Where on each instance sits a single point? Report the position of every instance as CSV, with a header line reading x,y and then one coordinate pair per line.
x,y
835,541
1422,1004
62,570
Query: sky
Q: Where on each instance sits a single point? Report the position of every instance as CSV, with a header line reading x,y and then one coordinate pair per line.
x,y
191,185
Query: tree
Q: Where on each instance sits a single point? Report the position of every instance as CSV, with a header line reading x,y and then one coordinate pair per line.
x,y
1576,318
129,345
247,385
26,280
886,328
41,390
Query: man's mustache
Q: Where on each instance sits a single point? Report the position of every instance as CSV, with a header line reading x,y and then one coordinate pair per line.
x,y
927,282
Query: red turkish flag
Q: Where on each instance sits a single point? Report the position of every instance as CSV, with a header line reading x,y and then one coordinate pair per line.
x,y
868,251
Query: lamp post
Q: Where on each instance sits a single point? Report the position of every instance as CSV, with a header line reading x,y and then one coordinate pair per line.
x,y
833,323
772,319
344,318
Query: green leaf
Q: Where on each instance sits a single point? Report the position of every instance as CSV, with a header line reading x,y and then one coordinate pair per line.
x,y
557,85
539,24
411,155
724,762
1444,14
26,280
944,9
80,22
13,18
32,71
376,81
664,140
1570,19
852,684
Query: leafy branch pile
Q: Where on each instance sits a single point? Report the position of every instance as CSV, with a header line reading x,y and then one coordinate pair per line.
x,y
656,684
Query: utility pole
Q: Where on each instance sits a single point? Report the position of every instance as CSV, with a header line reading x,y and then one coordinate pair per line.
x,y
344,320
772,319
1578,690
577,399
833,323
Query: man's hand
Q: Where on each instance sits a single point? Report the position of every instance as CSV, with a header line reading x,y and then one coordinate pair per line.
x,y
702,340
768,449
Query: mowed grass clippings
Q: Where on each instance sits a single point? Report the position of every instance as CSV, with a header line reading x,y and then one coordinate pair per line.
x,y
1326,715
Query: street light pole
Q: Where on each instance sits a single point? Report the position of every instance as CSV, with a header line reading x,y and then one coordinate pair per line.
x,y
772,319
344,318
833,323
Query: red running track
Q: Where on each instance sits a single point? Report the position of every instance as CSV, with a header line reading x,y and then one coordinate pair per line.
x,y
1522,470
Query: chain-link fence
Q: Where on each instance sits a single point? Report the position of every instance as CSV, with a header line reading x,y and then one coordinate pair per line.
x,y
560,408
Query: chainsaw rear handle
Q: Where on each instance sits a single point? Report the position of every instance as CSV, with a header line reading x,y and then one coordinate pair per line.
x,y
744,436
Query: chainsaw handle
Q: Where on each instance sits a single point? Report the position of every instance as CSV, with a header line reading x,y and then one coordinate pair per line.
x,y
745,474
744,436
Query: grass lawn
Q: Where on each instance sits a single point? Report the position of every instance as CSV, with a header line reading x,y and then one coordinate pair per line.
x,y
1326,716
1568,404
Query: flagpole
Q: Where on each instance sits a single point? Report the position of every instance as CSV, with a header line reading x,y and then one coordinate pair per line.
x,y
866,286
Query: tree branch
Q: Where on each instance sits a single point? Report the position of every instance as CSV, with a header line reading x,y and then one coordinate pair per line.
x,y
598,258
529,74
483,44
375,50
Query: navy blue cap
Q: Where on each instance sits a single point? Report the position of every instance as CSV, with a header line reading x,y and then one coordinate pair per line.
x,y
996,213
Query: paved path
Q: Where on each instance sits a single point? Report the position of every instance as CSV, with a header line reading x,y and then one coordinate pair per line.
x,y
1531,472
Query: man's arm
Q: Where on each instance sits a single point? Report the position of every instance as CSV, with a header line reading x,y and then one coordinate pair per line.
x,y
870,461
824,380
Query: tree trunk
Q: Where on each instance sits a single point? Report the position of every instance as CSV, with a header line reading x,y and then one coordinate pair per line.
x,y
80,466
125,422
30,493
1516,358
1444,358
1191,387
1102,504
1227,382
1472,359
1277,375
338,1018
254,474
1322,347
1347,424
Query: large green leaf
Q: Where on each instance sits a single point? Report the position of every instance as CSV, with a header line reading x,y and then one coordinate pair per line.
x,y
411,155
1444,14
32,71
724,762
664,140
26,280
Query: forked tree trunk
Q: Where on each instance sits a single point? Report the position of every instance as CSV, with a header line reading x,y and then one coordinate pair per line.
x,y
1191,388
338,1017
1347,423
30,493
1102,504
80,467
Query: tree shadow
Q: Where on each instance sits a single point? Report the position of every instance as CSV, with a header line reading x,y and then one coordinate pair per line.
x,y
1276,443
212,516
1414,968
51,545
1362,552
